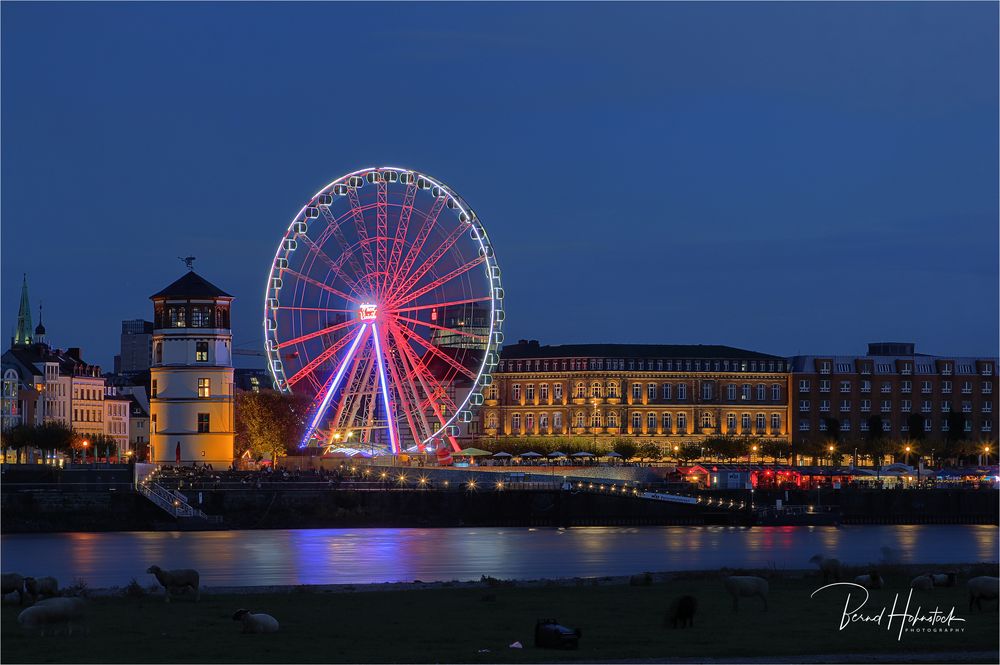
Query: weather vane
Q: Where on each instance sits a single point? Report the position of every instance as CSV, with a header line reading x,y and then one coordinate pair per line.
x,y
188,261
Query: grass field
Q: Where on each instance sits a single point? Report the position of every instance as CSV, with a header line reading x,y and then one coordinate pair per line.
x,y
454,624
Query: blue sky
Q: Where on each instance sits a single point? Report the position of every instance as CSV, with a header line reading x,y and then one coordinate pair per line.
x,y
784,177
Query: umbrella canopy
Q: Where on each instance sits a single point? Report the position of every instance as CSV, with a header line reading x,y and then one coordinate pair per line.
x,y
177,453
612,454
473,452
557,454
530,454
502,455
582,454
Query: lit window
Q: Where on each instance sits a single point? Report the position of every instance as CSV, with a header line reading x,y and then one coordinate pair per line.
x,y
204,388
203,423
201,352
153,389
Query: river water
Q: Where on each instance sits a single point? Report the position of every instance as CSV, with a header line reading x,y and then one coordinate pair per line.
x,y
352,556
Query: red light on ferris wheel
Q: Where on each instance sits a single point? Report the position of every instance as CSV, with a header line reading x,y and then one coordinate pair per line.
x,y
367,312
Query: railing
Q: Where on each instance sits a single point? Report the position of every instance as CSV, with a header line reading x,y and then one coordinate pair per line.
x,y
171,501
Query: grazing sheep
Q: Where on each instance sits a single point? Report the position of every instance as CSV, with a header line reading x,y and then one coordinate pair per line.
x,y
177,580
681,611
747,586
43,586
922,583
52,612
11,582
983,588
829,567
944,579
870,581
256,623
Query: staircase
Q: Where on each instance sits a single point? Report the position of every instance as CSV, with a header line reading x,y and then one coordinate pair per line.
x,y
171,501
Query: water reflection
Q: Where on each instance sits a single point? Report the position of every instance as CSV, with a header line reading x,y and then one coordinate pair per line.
x,y
330,556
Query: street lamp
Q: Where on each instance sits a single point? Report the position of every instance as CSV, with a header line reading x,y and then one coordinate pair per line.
x,y
986,451
85,444
830,449
906,459
753,451
677,451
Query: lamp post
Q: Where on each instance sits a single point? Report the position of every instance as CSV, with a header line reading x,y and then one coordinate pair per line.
x,y
986,452
753,451
677,454
85,444
830,449
906,458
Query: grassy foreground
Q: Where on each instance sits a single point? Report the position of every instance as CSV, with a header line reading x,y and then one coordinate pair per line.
x,y
453,624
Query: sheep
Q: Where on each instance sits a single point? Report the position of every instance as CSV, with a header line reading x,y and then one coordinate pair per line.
x,y
983,588
922,583
746,585
174,580
944,579
52,612
11,582
829,567
43,586
870,581
256,623
681,611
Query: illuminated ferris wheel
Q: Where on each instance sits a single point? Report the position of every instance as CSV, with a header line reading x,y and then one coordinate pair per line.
x,y
384,305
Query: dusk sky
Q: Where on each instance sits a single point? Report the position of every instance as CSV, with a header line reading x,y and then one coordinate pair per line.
x,y
787,178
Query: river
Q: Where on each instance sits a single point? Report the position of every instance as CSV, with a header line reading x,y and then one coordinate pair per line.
x,y
352,556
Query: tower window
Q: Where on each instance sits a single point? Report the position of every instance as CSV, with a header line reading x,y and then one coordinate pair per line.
x,y
201,352
152,389
204,388
203,423
178,317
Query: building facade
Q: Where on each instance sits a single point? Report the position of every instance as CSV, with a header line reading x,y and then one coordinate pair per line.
x,y
909,396
667,394
136,354
191,378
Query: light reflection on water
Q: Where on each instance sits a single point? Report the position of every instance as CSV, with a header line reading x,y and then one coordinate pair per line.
x,y
332,556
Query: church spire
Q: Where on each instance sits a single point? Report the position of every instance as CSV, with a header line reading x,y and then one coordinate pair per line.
x,y
22,335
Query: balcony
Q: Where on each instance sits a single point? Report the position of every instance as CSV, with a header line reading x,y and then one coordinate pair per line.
x,y
614,400
614,430
491,402
579,400
595,430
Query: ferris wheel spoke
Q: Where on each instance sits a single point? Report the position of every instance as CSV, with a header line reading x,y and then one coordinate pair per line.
x,y
383,384
407,404
448,360
422,374
336,267
478,338
363,240
333,229
381,235
351,389
292,308
321,285
412,280
354,395
402,228
317,333
320,359
440,281
441,305
331,387
430,221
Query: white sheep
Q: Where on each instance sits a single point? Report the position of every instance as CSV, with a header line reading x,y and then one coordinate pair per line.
x,y
922,583
43,586
52,612
177,580
828,566
256,623
747,586
11,582
944,579
983,588
870,581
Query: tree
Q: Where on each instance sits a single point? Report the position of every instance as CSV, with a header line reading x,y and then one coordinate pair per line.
x,y
776,449
269,423
20,439
626,448
876,443
55,437
915,423
649,451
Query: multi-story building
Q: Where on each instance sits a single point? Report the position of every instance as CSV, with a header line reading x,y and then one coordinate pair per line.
x,y
910,396
191,379
116,418
668,394
138,427
136,354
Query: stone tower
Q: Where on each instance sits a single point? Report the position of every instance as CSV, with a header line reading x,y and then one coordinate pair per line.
x,y
191,378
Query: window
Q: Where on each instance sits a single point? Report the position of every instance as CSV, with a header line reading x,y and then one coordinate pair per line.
x,y
761,392
706,391
529,422
906,386
824,406
761,423
803,425
492,391
530,392
581,390
845,425
775,423
925,386
666,423
177,317
636,421
945,407
682,391
651,391
845,386
152,423
153,390
159,352
682,423
200,317
613,389
824,385
731,392
515,391
666,391
706,419
651,423
886,405
595,389
201,352
843,368
730,422
886,387
845,405
557,391
203,423
966,407
557,421
946,387
515,422
967,387
543,391
925,406
612,419
866,386
636,391
745,393
745,422
905,406
803,385
204,388
928,424
987,407
824,367
803,405
886,425
987,388
987,425
775,392
491,421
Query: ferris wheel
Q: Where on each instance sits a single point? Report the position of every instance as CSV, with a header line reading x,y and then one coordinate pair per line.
x,y
384,305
